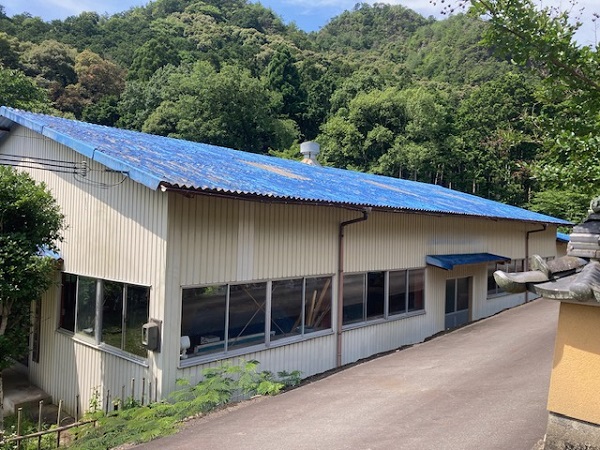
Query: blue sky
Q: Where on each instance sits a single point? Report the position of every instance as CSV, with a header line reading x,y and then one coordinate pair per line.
x,y
309,15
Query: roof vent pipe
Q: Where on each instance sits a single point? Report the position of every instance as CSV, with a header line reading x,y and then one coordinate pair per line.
x,y
310,150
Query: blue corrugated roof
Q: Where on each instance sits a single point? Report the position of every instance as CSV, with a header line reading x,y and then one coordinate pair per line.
x,y
449,261
562,237
157,160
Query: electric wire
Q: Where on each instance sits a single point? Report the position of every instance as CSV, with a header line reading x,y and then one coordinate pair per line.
x,y
79,170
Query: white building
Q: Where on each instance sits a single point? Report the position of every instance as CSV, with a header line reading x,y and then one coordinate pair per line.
x,y
230,254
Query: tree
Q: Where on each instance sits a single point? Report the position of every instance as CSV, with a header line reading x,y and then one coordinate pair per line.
x,y
543,39
283,77
30,220
18,91
392,132
52,61
497,139
151,56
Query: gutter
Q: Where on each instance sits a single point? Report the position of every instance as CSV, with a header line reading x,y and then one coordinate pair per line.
x,y
527,253
340,294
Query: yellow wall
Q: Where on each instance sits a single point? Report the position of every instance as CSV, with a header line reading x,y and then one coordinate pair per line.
x,y
575,382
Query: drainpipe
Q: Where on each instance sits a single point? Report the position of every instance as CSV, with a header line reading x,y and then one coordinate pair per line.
x,y
527,254
340,296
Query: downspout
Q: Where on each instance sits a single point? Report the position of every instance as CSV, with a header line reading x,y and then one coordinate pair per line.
x,y
527,253
340,296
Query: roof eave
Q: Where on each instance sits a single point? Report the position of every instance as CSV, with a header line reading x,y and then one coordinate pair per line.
x,y
189,191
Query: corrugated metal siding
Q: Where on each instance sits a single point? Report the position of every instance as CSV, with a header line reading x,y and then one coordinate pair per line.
x,y
116,231
368,340
310,357
216,240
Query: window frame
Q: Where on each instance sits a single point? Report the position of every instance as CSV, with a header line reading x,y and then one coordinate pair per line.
x,y
387,314
94,337
513,265
194,357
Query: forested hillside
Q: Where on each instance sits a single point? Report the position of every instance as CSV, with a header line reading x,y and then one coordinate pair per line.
x,y
381,88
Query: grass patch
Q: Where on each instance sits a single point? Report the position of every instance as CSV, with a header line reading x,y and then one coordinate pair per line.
x,y
219,386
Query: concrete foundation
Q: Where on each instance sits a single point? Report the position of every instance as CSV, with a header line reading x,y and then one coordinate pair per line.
x,y
565,433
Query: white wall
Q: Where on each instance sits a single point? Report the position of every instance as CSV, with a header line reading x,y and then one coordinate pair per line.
x,y
214,240
116,231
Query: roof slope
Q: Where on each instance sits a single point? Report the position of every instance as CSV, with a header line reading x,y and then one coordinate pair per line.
x,y
156,160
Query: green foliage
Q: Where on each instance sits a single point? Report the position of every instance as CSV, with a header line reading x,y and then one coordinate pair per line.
x,y
9,55
283,77
27,427
29,220
451,51
566,204
52,61
368,27
151,56
543,39
228,108
219,386
381,88
498,138
19,91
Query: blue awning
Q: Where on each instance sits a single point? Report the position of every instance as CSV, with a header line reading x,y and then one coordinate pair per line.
x,y
449,261
46,252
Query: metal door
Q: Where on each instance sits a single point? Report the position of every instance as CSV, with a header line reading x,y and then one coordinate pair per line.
x,y
458,300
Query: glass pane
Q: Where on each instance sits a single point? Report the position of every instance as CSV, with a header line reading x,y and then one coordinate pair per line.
x,y
416,290
318,304
247,314
463,294
138,303
519,265
491,282
450,296
86,306
286,308
375,294
397,292
68,302
353,298
203,318
112,314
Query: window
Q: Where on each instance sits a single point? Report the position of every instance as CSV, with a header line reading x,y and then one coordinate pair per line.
x,y
406,291
246,314
300,306
492,287
68,302
365,295
515,265
203,316
105,312
416,290
398,292
222,318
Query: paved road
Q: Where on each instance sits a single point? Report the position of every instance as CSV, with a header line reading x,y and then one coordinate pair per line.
x,y
481,387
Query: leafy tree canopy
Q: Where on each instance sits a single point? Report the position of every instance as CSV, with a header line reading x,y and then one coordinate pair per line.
x,y
543,39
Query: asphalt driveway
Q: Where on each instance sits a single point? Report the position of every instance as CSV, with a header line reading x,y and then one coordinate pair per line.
x,y
481,387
